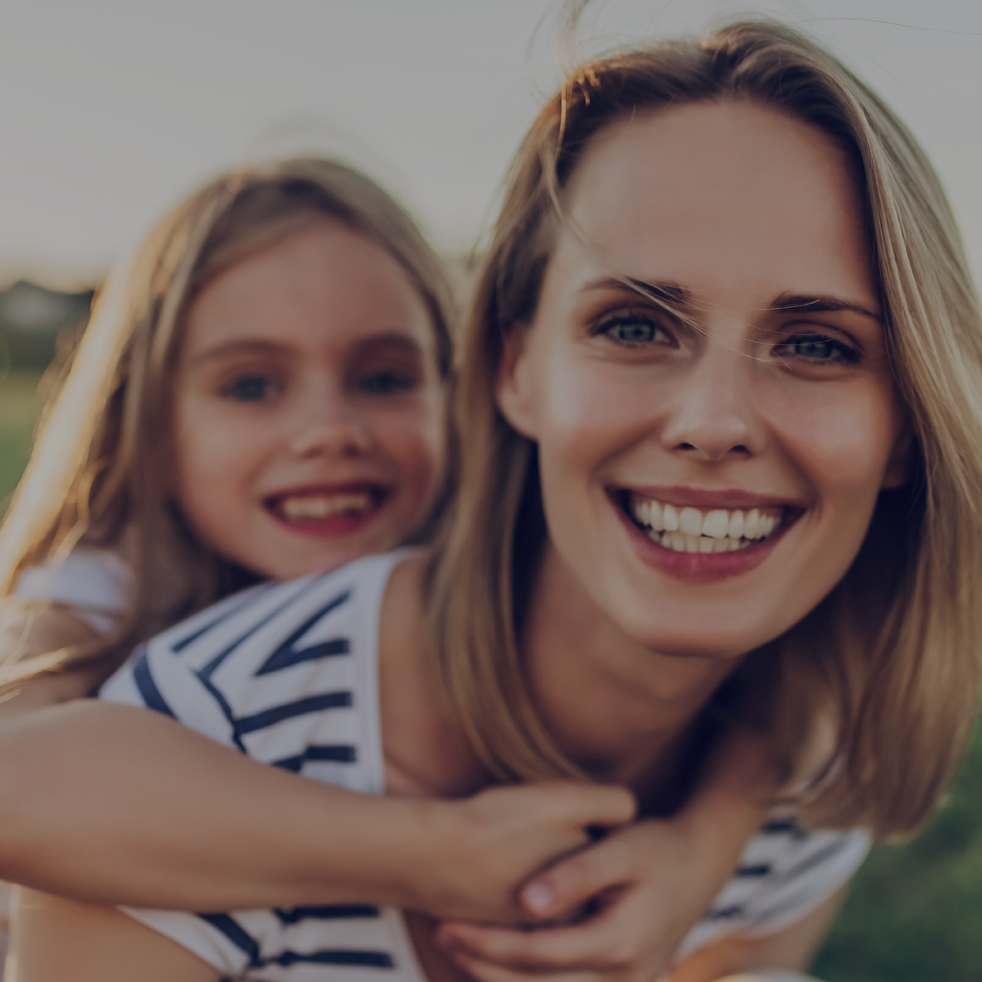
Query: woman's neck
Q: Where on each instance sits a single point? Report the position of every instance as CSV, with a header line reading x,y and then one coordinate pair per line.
x,y
622,712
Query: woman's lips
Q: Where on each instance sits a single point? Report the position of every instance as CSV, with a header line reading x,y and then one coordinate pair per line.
x,y
703,542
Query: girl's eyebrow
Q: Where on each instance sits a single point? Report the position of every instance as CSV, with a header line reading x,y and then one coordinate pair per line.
x,y
230,348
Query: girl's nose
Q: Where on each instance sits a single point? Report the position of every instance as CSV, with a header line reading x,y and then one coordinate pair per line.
x,y
713,418
329,426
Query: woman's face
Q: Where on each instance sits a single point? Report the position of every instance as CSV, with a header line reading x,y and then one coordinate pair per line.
x,y
309,413
710,463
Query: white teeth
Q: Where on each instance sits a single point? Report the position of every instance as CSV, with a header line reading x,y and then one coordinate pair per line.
x,y
716,524
314,507
750,524
690,521
690,530
655,517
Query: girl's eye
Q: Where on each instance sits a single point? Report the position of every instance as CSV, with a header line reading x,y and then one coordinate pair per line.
x,y
634,329
818,350
249,388
383,383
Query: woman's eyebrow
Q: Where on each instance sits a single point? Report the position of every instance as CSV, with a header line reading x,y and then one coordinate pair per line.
x,y
805,303
671,294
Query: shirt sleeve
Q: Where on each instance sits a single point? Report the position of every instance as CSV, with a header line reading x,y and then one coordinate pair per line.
x,y
95,582
785,872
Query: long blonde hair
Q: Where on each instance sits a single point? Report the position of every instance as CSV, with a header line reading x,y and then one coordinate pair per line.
x,y
891,660
97,471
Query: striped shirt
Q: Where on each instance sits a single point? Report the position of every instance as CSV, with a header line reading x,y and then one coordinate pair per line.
x,y
287,673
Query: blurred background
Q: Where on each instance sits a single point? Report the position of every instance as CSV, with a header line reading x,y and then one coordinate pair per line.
x,y
112,111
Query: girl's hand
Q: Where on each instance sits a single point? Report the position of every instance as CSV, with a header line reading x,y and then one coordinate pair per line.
x,y
482,849
648,883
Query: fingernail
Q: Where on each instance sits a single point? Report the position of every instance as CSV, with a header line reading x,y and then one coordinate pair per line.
x,y
537,897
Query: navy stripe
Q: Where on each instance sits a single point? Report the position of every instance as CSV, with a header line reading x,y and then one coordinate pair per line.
x,y
179,646
329,912
219,697
209,669
724,913
365,959
236,934
783,825
816,859
761,869
312,704
149,692
340,753
284,657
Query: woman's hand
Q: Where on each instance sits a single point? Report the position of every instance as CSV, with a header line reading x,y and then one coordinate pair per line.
x,y
648,883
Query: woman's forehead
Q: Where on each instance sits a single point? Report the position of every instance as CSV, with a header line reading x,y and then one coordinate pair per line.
x,y
729,198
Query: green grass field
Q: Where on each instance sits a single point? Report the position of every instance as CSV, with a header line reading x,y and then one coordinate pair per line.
x,y
915,911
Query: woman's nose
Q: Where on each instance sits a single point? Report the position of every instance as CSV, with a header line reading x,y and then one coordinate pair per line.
x,y
713,417
329,425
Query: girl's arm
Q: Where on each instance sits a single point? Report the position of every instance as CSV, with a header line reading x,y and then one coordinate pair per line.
x,y
56,938
113,804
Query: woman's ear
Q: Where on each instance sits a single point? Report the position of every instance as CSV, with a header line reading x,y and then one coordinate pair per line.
x,y
513,388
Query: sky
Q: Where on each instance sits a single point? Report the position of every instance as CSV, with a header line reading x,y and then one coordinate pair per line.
x,y
112,110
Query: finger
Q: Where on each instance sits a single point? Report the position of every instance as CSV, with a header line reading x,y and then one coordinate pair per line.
x,y
592,804
590,945
565,886
485,971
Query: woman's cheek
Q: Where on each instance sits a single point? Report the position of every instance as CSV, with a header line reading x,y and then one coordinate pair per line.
x,y
841,438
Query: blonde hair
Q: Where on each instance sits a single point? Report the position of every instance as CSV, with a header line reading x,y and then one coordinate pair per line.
x,y
97,472
890,660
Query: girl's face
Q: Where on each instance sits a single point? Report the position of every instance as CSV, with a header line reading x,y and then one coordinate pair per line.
x,y
709,466
309,415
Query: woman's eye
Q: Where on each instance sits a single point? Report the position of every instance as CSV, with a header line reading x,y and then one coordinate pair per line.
x,y
385,383
634,330
249,388
818,350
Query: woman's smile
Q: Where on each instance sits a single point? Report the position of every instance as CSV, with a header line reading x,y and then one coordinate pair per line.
x,y
706,377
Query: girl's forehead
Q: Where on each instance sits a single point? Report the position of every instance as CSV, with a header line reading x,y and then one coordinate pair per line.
x,y
729,199
325,283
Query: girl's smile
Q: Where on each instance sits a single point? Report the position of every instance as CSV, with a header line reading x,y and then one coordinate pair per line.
x,y
706,377
309,412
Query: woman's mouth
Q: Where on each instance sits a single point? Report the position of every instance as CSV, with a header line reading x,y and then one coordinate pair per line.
x,y
699,530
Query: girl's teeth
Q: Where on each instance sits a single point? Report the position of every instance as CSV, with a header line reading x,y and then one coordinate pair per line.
x,y
314,507
691,530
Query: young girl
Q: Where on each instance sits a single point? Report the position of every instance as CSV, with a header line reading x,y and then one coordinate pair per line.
x,y
260,395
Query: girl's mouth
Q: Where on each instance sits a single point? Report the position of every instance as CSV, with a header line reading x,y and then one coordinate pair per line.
x,y
700,530
326,509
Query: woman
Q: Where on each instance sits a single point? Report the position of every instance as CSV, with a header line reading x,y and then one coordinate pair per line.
x,y
713,402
